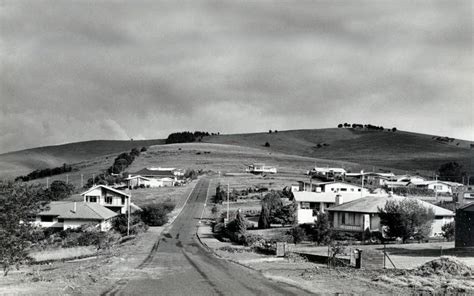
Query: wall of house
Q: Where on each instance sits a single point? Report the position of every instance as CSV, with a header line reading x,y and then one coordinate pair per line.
x,y
101,195
437,224
73,224
305,216
54,223
442,188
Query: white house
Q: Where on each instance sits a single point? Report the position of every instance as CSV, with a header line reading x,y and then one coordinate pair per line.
x,y
361,214
66,214
334,187
322,196
436,186
138,181
108,197
401,181
159,174
261,168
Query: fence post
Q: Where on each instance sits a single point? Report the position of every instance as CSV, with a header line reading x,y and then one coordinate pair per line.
x,y
384,254
328,258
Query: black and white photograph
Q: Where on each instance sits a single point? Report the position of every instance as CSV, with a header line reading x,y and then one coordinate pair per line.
x,y
236,147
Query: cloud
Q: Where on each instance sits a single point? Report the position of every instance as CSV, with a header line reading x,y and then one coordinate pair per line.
x,y
117,69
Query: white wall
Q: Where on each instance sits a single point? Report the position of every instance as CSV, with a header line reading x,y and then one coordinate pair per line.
x,y
305,216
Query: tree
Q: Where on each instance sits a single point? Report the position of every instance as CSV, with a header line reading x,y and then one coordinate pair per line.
x,y
451,171
285,215
406,218
156,214
321,232
267,144
19,204
58,190
264,218
448,230
339,125
394,129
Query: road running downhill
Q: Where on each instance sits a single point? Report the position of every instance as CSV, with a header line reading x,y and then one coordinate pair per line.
x,y
179,265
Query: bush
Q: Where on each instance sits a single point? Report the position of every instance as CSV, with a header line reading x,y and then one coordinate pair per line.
x,y
267,144
156,214
448,230
137,225
297,233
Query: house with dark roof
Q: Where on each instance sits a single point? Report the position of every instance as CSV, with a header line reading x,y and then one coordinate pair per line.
x,y
111,198
464,234
159,177
361,214
67,214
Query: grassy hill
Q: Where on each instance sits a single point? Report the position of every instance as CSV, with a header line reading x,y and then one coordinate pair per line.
x,y
294,150
24,161
397,150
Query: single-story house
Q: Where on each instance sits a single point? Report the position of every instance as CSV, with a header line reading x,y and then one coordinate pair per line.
x,y
466,195
361,214
261,168
436,186
137,181
328,173
464,234
67,214
159,173
108,197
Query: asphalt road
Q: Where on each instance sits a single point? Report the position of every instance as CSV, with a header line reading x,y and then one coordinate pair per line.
x,y
180,265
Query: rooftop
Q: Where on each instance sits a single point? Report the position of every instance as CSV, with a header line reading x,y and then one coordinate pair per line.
x,y
84,211
371,205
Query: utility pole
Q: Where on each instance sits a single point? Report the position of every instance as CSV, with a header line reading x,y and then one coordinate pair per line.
x,y
128,216
228,191
82,180
47,182
436,188
93,179
362,190
67,179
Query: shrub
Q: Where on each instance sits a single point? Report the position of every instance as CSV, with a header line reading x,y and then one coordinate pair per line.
x,y
448,230
297,233
144,149
267,144
321,233
156,214
137,225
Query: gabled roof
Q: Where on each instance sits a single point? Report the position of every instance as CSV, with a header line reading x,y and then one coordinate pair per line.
x,y
371,205
106,188
318,184
84,211
158,173
306,196
139,177
467,207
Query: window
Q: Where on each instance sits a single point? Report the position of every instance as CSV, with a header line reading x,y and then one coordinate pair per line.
x,y
343,189
352,189
61,220
305,205
108,199
92,198
123,200
350,219
46,218
358,189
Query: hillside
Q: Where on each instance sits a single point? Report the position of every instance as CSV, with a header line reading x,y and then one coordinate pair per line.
x,y
398,150
353,149
22,162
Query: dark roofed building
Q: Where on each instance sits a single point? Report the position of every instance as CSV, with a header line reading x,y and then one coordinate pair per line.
x,y
465,226
150,173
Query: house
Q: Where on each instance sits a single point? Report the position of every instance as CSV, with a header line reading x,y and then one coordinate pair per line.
x,y
261,168
140,181
464,234
66,214
401,180
465,195
159,174
309,204
334,187
361,214
113,199
314,198
435,186
327,173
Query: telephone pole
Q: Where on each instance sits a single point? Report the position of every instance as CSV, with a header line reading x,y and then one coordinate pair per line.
x,y
228,192
82,180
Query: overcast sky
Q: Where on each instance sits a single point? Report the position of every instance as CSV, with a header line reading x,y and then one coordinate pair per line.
x,y
81,70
